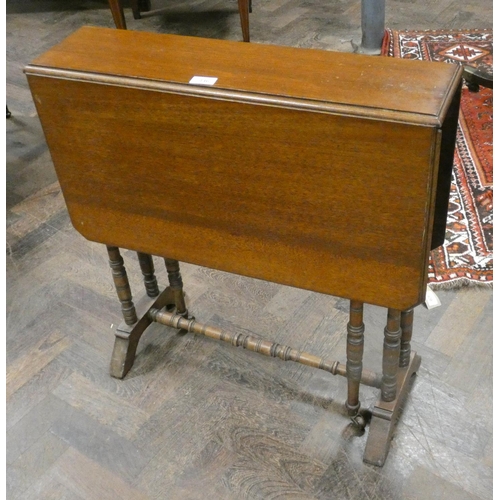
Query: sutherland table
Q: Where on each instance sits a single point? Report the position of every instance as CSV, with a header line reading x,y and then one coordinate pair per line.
x,y
320,170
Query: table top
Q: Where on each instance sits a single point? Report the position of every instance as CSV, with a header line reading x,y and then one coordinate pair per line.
x,y
343,82
279,171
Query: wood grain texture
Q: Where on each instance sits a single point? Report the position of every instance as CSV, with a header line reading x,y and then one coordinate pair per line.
x,y
87,479
29,429
449,338
389,84
32,464
104,406
444,448
292,204
26,367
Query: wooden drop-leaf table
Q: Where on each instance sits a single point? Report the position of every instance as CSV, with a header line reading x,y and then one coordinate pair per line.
x,y
319,170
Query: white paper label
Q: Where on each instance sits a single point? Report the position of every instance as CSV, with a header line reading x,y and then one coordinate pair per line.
x,y
431,299
202,80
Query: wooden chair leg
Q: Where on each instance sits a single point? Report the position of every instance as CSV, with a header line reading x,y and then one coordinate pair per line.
x,y
139,6
244,8
116,7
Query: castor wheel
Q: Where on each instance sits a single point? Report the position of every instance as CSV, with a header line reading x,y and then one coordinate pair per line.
x,y
359,421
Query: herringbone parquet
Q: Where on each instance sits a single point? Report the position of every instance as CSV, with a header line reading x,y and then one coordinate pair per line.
x,y
195,419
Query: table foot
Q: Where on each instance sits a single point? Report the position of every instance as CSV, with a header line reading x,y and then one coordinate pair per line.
x,y
385,414
128,336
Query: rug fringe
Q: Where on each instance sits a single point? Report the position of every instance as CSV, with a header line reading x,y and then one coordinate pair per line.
x,y
460,283
443,30
386,42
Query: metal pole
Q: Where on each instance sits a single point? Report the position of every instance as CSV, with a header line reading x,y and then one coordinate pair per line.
x,y
372,26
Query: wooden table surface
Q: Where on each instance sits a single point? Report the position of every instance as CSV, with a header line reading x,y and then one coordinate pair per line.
x,y
309,168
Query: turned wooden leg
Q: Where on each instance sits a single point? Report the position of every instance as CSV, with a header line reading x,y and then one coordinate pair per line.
x,y
148,271
244,8
406,334
122,285
354,365
175,281
124,350
129,333
128,336
392,347
396,383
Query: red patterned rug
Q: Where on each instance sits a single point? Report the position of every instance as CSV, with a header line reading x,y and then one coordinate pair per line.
x,y
466,258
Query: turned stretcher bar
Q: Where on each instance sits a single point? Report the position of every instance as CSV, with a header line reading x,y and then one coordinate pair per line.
x,y
261,346
319,170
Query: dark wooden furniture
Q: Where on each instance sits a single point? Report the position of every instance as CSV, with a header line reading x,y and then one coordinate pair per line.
x,y
477,77
320,170
138,6
116,7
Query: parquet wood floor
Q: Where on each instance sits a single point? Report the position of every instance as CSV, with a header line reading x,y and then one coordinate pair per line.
x,y
195,419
